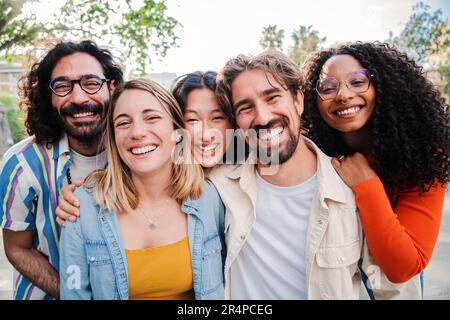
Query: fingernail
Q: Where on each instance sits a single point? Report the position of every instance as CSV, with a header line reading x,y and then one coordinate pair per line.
x,y
72,219
77,203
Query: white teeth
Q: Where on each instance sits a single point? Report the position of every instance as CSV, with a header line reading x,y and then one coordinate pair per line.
x,y
352,110
83,114
209,148
272,134
143,150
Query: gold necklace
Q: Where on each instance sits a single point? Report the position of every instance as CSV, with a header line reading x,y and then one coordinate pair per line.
x,y
151,222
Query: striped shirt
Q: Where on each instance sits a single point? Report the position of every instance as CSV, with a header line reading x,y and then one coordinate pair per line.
x,y
31,177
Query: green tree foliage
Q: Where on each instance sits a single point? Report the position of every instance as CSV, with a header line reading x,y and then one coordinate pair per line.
x,y
306,41
142,28
424,34
426,38
272,38
14,31
15,118
444,70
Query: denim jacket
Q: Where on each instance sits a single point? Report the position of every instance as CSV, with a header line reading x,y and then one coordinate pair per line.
x,y
93,262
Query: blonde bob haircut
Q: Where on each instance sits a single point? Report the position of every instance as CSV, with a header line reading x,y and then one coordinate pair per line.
x,y
113,187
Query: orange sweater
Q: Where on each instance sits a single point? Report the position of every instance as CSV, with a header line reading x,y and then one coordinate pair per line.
x,y
400,240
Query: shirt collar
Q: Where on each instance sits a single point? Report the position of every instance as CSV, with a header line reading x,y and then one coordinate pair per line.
x,y
330,184
190,206
63,147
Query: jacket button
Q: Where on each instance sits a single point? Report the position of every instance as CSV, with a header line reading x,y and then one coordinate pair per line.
x,y
243,237
341,259
92,259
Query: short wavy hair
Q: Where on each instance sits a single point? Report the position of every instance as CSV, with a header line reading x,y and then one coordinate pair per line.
x,y
285,71
410,122
42,119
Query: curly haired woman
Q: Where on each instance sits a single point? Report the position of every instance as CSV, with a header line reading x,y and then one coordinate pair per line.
x,y
370,106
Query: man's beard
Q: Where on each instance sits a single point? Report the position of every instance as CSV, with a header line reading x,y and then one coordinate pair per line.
x,y
85,132
291,144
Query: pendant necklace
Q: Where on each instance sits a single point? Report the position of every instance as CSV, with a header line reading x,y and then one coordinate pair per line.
x,y
152,221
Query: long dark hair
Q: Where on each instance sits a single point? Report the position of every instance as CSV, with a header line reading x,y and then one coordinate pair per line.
x,y
42,119
410,123
185,84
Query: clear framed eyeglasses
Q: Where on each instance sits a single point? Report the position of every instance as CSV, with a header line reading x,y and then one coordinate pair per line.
x,y
357,81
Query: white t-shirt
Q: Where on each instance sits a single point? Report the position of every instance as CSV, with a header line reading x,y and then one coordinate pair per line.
x,y
82,166
272,263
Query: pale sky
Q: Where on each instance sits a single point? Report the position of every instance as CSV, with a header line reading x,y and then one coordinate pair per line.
x,y
216,30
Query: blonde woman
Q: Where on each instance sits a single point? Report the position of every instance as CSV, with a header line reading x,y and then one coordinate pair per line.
x,y
150,228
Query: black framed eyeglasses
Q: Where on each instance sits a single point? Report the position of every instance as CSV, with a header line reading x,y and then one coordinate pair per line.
x,y
357,81
89,83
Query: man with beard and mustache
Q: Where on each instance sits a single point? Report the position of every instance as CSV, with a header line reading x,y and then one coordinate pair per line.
x,y
292,227
65,96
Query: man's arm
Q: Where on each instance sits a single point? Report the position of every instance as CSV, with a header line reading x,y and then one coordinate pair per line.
x,y
30,262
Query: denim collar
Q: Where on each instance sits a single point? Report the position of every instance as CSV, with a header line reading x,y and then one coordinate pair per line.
x,y
190,206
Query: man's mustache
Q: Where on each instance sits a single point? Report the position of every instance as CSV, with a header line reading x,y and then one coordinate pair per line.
x,y
284,121
72,109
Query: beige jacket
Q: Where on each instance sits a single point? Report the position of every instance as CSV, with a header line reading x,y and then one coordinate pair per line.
x,y
335,241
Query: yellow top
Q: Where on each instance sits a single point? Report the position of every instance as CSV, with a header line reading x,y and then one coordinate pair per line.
x,y
160,273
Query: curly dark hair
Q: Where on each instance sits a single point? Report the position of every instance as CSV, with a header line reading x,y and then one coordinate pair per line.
x,y
42,119
410,123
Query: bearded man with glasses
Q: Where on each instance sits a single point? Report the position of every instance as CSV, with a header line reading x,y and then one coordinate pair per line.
x,y
65,99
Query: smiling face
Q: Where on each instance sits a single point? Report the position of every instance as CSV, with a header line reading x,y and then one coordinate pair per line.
x,y
262,104
143,132
80,112
348,111
207,126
